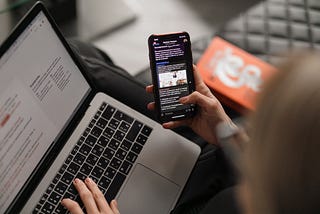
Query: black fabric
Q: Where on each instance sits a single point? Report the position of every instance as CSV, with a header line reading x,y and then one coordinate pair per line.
x,y
224,202
212,173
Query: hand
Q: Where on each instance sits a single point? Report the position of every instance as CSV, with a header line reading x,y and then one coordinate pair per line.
x,y
209,114
92,198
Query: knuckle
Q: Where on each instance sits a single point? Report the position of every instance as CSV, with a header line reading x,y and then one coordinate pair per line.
x,y
97,195
85,194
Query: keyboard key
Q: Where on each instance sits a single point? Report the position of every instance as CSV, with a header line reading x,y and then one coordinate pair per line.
x,y
131,157
92,159
43,199
114,144
79,201
141,139
75,150
63,169
134,130
125,167
136,148
108,112
54,198
108,153
124,126
146,130
81,176
86,132
97,172
91,140
121,154
72,189
81,140
97,150
67,178
50,189
115,163
126,145
114,187
103,106
86,169
114,124
96,131
96,180
119,135
122,116
56,178
92,122
110,172
102,123
61,188
60,209
47,208
103,141
85,149
79,159
73,168
36,209
108,132
97,115
69,159
103,162
104,182
69,195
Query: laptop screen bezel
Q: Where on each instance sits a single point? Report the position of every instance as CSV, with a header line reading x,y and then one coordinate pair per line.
x,y
56,146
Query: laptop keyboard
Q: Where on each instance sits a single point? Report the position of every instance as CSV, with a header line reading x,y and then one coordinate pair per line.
x,y
105,152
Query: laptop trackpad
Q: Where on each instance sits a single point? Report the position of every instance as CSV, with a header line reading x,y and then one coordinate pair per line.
x,y
147,192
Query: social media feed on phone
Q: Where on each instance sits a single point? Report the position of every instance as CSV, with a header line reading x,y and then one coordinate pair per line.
x,y
171,68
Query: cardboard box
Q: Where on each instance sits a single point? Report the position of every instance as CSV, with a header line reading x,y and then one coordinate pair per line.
x,y
235,76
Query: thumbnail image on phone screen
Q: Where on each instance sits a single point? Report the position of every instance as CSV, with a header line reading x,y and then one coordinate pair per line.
x,y
172,74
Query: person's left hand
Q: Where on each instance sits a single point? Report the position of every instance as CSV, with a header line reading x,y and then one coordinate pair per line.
x,y
92,198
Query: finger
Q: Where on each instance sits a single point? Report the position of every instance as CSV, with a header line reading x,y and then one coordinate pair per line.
x,y
197,77
98,196
72,206
151,106
149,88
200,84
86,196
175,124
114,207
199,99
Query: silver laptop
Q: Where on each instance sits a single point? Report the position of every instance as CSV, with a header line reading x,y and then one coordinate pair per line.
x,y
54,127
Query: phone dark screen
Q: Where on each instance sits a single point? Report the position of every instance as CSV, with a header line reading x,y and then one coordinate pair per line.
x,y
172,69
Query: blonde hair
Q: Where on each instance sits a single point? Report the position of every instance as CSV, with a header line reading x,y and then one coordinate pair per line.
x,y
283,159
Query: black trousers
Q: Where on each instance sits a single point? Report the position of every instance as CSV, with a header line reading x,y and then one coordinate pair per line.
x,y
212,173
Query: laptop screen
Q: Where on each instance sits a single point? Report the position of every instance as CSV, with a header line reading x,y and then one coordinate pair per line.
x,y
40,90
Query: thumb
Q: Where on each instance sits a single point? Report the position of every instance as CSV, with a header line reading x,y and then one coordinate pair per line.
x,y
198,99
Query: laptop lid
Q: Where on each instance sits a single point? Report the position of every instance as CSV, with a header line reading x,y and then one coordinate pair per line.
x,y
42,89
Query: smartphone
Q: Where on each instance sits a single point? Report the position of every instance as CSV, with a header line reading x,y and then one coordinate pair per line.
x,y
172,74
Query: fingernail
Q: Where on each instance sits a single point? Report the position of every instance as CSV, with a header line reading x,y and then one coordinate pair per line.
x,y
76,181
88,180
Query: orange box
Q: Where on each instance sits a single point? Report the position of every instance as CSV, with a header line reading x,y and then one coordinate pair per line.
x,y
234,75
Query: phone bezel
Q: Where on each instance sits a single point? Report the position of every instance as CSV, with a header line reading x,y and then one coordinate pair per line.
x,y
155,80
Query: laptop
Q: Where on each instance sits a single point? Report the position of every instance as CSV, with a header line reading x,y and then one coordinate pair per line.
x,y
55,127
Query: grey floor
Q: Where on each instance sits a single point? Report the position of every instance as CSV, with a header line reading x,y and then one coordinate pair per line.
x,y
127,45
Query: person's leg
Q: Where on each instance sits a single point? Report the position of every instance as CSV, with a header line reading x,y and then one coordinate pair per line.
x,y
116,82
210,173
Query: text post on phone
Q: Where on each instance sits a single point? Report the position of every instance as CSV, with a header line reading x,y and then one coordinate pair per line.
x,y
171,68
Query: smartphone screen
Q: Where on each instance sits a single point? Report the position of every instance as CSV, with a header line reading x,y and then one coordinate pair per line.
x,y
172,74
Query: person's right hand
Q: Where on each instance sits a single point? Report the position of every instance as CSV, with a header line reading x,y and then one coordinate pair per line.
x,y
209,111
